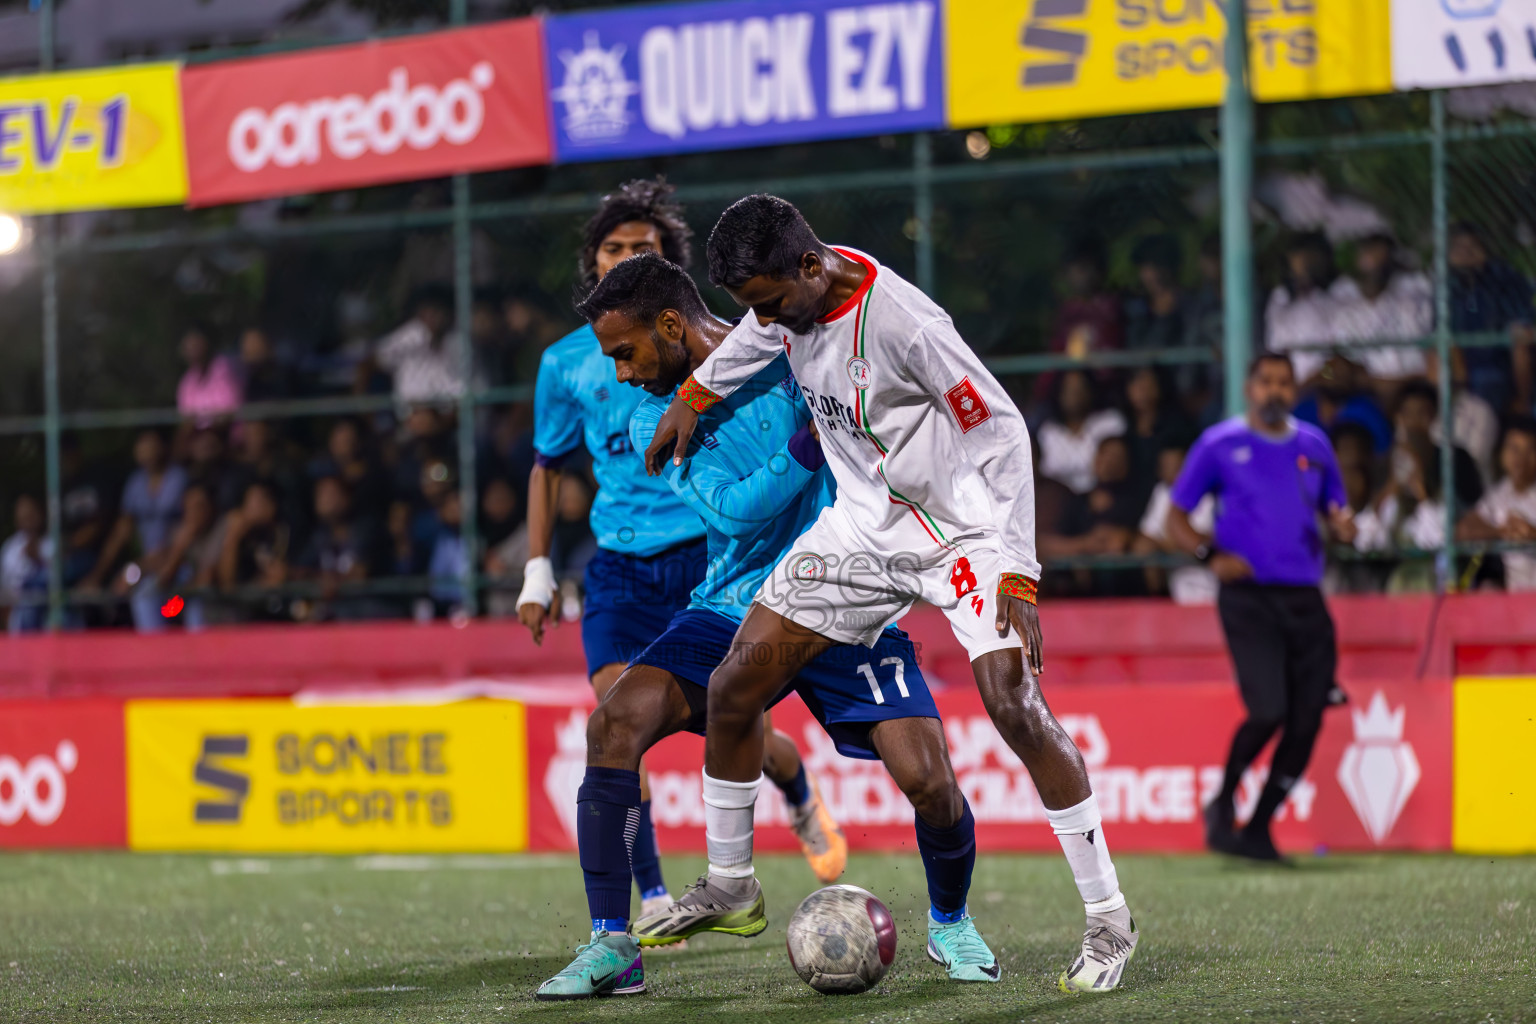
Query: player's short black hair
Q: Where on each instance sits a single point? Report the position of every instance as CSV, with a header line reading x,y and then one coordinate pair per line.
x,y
643,199
760,234
642,287
1269,356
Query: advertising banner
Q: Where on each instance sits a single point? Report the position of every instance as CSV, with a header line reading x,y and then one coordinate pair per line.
x,y
1042,60
430,105
1380,777
1495,808
679,78
61,774
1440,44
91,140
270,776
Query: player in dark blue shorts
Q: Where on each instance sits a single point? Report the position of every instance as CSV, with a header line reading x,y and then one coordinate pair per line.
x,y
757,479
651,546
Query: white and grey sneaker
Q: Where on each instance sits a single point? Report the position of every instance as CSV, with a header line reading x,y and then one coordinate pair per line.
x,y
730,906
658,905
1107,947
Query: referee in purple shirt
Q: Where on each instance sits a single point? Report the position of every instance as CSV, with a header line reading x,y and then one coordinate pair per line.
x,y
1277,489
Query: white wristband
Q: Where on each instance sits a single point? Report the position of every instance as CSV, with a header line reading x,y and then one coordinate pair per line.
x,y
538,583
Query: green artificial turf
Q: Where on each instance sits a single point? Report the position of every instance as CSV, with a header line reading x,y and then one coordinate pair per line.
x,y
113,936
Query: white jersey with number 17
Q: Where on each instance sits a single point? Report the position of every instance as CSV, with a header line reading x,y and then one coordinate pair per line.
x,y
929,452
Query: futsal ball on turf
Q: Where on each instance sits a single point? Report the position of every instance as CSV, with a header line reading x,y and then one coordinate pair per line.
x,y
841,940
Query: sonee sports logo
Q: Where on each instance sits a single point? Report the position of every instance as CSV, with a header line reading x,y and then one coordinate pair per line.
x,y
213,770
36,790
1066,48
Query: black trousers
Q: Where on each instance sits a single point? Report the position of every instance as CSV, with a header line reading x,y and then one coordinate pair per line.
x,y
1283,648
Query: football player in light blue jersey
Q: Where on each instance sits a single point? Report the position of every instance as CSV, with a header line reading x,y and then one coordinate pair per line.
x,y
756,477
651,547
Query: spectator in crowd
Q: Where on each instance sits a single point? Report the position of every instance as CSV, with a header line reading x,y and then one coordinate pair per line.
x,y
1508,511
1383,301
1069,441
85,499
448,560
255,553
490,339
1199,384
210,388
1089,318
148,513
265,379
1103,520
504,539
1156,318
405,556
1474,423
24,568
185,556
426,437
1302,316
259,459
1342,394
1416,429
1489,296
347,458
421,355
1153,426
1189,584
207,463
343,548
531,329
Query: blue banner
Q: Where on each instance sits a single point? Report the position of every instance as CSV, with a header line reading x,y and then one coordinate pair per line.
x,y
685,77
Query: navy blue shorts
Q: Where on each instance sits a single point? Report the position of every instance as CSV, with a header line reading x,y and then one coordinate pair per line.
x,y
631,599
849,688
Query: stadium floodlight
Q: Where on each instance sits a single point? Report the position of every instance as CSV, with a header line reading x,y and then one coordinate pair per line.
x,y
12,233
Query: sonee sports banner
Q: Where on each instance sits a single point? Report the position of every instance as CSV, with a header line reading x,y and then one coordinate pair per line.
x,y
347,116
271,776
674,79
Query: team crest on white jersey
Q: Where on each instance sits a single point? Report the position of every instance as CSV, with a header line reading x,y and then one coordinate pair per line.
x,y
810,567
859,372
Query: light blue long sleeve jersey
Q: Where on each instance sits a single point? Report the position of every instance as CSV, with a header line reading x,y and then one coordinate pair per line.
x,y
741,480
578,398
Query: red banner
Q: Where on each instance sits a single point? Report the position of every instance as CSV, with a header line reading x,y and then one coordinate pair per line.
x,y
1379,778
61,774
442,103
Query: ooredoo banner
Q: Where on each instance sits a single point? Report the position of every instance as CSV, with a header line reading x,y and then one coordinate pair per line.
x,y
272,776
685,77
61,774
1379,779
441,103
88,140
1043,60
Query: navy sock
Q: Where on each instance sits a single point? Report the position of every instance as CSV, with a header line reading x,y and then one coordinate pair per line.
x,y
798,789
949,854
646,859
607,817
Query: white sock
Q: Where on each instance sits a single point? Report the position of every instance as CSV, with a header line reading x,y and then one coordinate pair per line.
x,y
728,825
1082,840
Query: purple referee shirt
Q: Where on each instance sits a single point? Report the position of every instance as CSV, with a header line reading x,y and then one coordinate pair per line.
x,y
1269,494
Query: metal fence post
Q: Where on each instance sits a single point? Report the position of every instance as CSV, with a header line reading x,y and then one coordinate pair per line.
x,y
922,208
48,249
1437,179
463,306
1236,231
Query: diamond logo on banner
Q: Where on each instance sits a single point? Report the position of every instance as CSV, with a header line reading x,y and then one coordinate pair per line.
x,y
1379,770
566,769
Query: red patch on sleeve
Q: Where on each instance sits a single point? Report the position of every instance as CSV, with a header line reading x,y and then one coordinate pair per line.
x,y
967,405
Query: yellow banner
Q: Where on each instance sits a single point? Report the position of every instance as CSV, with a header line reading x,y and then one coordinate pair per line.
x,y
1044,60
1495,793
269,776
92,139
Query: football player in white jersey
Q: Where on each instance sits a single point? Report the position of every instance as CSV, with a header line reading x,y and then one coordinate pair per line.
x,y
935,501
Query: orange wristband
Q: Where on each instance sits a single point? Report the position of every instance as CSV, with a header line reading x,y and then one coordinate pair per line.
x,y
1017,585
696,395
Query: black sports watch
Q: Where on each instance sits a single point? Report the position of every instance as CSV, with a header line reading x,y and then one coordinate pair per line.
x,y
1204,553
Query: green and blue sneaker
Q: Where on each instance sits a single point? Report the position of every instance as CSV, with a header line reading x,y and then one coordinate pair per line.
x,y
609,965
960,949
